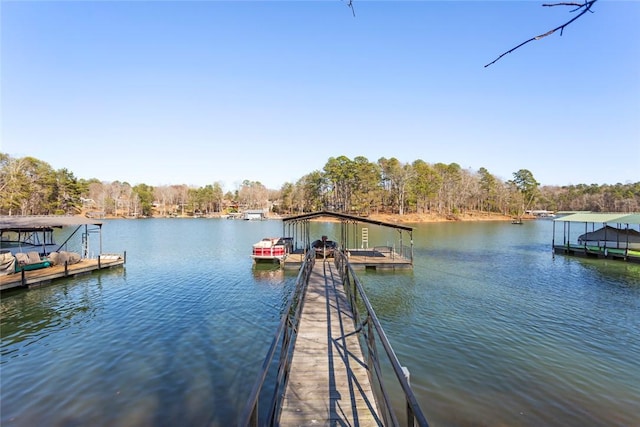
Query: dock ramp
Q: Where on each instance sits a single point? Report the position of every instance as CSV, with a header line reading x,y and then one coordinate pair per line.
x,y
328,379
328,356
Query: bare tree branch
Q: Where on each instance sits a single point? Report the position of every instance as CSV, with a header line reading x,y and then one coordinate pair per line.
x,y
578,5
350,5
586,7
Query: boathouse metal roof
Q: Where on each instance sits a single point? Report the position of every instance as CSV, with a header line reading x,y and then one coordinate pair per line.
x,y
346,217
37,222
605,218
631,219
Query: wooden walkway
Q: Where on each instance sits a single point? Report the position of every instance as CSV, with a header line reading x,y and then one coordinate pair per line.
x,y
328,382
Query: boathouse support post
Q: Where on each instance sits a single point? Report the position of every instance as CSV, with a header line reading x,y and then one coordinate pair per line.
x,y
85,242
100,238
411,239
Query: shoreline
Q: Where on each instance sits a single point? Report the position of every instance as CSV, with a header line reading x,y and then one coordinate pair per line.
x,y
422,218
410,218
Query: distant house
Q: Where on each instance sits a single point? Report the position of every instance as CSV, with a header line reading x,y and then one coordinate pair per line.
x,y
254,214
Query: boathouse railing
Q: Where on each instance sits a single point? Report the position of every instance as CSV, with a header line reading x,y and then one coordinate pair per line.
x,y
406,252
282,346
371,334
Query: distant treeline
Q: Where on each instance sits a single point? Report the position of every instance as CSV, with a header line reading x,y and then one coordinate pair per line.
x,y
29,186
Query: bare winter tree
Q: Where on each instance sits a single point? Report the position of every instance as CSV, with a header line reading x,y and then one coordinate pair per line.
x,y
582,8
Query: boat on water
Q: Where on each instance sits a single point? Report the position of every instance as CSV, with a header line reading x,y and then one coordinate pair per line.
x,y
324,247
272,249
612,238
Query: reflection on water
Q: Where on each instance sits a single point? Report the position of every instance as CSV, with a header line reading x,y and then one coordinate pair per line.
x,y
30,316
494,329
609,272
268,272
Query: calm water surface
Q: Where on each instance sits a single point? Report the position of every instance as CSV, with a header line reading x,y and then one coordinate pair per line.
x,y
494,329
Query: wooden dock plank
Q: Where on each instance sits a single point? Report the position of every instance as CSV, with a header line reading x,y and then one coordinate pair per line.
x,y
48,274
328,381
359,259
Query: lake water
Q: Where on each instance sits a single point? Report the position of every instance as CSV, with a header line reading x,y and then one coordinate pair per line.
x,y
495,330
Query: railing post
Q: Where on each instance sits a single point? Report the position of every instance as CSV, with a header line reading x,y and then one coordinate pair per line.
x,y
410,416
371,341
254,416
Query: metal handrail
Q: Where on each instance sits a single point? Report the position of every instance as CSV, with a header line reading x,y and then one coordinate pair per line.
x,y
284,340
369,328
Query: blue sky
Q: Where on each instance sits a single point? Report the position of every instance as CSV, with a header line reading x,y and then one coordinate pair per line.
x,y
161,93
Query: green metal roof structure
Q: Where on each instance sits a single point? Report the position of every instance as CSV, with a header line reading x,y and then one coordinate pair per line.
x,y
605,218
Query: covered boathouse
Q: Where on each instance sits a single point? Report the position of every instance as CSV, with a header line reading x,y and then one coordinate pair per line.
x,y
354,240
31,257
599,235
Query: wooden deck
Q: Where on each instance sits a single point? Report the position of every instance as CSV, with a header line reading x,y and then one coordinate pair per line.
x,y
359,259
44,276
598,252
328,382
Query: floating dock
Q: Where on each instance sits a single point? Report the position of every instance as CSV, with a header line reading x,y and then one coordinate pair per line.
x,y
617,236
360,259
30,238
44,276
353,240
